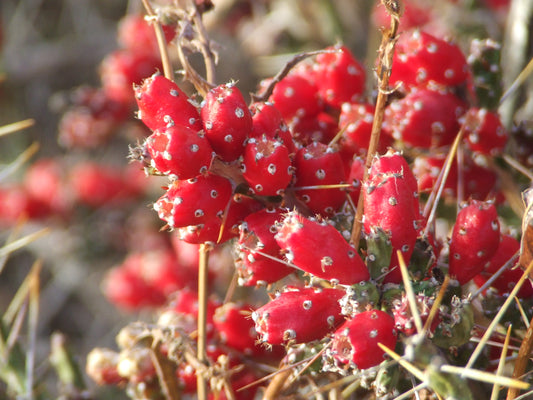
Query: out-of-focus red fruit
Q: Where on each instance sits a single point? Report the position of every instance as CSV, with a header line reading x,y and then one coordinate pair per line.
x,y
98,185
137,35
16,203
45,181
121,69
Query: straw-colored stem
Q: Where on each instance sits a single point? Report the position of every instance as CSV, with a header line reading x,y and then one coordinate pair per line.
x,y
161,42
386,52
202,318
523,358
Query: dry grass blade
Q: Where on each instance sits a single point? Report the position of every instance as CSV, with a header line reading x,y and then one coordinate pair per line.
x,y
495,276
436,304
501,365
411,392
520,79
22,242
523,358
522,312
496,320
483,376
410,293
16,368
430,209
419,374
16,126
19,161
33,319
20,296
11,237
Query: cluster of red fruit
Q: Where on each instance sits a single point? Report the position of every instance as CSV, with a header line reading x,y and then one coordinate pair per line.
x,y
277,181
278,178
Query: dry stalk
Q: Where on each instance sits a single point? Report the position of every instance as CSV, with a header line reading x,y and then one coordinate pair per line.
x,y
284,72
202,317
161,42
523,358
386,53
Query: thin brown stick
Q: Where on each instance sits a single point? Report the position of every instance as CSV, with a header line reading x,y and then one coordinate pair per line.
x,y
205,46
202,319
165,372
276,385
284,72
161,41
386,52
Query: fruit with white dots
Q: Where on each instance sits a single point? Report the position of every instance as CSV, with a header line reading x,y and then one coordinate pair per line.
x,y
179,152
391,205
356,341
296,95
299,315
257,236
340,77
266,166
163,104
484,131
319,165
194,201
475,239
424,118
227,121
422,59
320,250
267,121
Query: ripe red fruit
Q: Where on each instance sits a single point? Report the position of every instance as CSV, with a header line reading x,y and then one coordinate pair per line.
x,y
239,207
179,151
147,279
317,164
163,104
484,132
121,69
194,201
391,204
127,290
507,248
320,250
182,312
421,59
45,181
340,77
321,127
137,35
403,316
16,204
266,166
357,120
227,121
356,341
355,177
97,185
475,239
257,234
296,95
479,181
424,118
299,315
236,328
92,119
267,121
